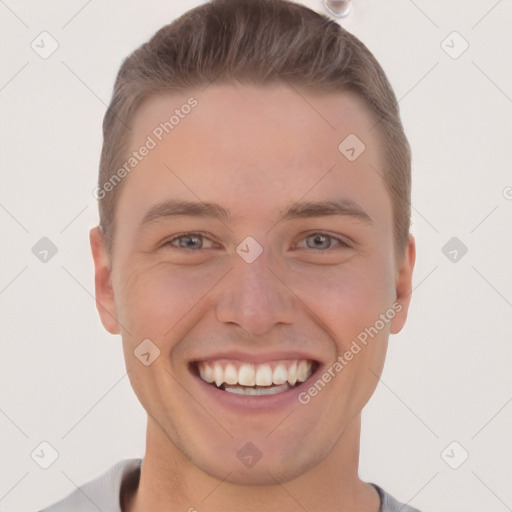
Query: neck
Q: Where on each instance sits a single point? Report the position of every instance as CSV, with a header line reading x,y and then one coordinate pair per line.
x,y
170,482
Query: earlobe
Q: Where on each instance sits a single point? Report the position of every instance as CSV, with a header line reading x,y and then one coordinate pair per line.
x,y
104,293
404,286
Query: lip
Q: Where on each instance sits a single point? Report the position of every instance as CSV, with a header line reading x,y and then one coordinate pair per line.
x,y
246,403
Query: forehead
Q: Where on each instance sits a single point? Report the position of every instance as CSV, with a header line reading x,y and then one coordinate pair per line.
x,y
255,148
223,113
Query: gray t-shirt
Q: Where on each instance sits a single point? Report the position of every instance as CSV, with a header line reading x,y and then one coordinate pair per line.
x,y
104,492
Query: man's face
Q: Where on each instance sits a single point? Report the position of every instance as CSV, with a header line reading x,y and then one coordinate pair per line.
x,y
210,299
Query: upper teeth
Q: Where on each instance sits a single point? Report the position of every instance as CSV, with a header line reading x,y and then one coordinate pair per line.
x,y
247,374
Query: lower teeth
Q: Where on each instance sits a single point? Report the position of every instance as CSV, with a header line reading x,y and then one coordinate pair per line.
x,y
258,390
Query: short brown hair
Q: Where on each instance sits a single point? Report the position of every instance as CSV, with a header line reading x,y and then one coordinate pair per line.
x,y
257,42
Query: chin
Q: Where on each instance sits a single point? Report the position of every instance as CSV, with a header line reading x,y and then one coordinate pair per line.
x,y
251,467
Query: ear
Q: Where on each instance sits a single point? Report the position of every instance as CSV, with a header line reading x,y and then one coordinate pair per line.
x,y
404,286
105,302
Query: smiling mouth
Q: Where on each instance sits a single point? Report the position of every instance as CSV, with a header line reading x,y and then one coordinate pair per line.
x,y
243,378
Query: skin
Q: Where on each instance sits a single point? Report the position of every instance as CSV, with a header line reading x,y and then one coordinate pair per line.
x,y
254,150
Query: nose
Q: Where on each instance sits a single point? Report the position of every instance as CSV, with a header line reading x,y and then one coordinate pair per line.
x,y
255,297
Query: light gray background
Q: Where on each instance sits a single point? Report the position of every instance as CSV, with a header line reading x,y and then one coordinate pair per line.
x,y
448,374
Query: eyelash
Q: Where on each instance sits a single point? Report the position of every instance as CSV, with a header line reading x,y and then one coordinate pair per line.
x,y
342,243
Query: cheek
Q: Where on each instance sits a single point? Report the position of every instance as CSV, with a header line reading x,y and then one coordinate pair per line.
x,y
346,298
155,299
349,303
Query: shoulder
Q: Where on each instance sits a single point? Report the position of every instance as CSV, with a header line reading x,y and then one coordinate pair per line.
x,y
390,504
101,493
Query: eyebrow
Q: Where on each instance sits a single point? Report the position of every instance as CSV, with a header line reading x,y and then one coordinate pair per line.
x,y
344,207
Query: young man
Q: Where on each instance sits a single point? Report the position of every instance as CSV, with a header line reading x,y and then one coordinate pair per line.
x,y
254,254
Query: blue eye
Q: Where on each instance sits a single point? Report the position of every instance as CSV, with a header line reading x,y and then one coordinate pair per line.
x,y
190,241
323,241
196,241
